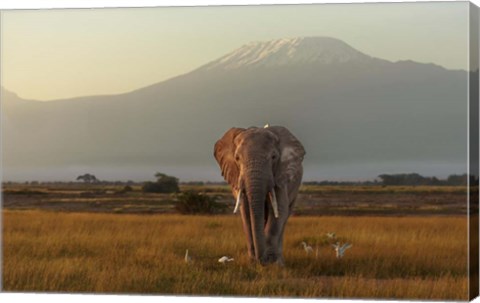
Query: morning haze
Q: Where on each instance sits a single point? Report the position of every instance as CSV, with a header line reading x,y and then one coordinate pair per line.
x,y
55,54
345,79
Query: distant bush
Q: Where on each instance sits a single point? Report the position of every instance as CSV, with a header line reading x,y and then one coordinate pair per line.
x,y
124,190
414,179
164,184
195,183
191,202
457,179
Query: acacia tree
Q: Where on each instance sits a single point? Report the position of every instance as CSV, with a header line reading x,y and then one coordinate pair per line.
x,y
164,184
88,178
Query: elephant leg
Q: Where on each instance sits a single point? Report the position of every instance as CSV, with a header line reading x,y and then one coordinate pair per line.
x,y
291,197
291,201
275,227
274,234
247,227
280,242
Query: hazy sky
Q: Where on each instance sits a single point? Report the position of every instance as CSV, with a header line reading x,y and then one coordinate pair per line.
x,y
54,54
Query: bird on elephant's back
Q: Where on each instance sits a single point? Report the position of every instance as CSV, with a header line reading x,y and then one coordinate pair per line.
x,y
264,169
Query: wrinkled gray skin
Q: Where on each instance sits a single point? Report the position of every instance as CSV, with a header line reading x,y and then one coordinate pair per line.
x,y
256,161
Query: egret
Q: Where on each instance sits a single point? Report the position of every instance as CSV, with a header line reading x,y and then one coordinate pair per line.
x,y
188,259
308,248
225,259
331,235
340,250
266,125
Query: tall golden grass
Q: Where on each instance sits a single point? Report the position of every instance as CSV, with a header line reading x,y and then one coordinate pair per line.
x,y
400,258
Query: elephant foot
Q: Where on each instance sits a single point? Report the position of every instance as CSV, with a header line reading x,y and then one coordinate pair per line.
x,y
272,258
280,262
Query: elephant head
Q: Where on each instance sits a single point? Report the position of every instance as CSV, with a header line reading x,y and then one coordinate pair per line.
x,y
264,169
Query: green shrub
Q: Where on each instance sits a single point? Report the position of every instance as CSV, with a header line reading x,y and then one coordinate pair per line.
x,y
191,202
124,190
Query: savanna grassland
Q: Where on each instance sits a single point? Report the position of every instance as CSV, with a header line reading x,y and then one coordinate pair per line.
x,y
402,257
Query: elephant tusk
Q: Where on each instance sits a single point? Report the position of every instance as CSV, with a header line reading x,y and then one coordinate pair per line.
x,y
273,199
237,204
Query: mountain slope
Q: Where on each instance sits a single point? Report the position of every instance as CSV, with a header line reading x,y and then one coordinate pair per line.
x,y
346,107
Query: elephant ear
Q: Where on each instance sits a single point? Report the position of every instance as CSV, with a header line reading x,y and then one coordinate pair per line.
x,y
224,154
291,156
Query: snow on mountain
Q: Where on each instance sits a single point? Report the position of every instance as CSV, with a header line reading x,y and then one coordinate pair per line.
x,y
288,51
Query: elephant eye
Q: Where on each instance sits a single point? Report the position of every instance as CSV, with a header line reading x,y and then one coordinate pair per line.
x,y
237,158
274,157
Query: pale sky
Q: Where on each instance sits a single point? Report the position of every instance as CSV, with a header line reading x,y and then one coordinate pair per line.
x,y
53,54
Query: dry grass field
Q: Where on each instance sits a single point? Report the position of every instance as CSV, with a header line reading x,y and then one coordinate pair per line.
x,y
421,257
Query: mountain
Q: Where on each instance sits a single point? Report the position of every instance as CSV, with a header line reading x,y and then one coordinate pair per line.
x,y
356,115
289,52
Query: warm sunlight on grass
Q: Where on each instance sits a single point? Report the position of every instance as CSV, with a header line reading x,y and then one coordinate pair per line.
x,y
414,257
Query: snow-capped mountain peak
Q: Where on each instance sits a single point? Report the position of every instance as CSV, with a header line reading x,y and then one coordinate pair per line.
x,y
287,51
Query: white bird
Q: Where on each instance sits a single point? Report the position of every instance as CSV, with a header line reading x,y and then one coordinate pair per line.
x,y
331,235
266,125
188,259
308,248
225,259
340,250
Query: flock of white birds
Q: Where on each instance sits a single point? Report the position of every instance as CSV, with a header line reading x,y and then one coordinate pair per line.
x,y
338,248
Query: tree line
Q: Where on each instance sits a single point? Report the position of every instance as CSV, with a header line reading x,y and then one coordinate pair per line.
x,y
411,179
416,179
165,183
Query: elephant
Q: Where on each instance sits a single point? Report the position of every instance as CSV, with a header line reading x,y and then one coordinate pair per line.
x,y
263,167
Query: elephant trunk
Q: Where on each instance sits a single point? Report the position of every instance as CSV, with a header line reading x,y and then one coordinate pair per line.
x,y
257,191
